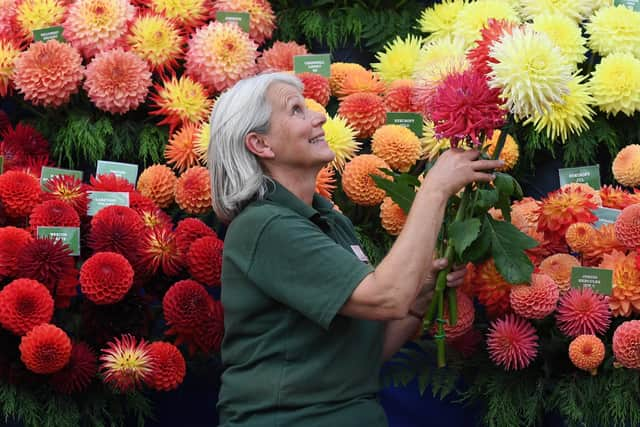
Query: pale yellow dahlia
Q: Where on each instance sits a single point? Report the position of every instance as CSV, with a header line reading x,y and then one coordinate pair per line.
x,y
578,10
220,54
262,20
565,33
341,139
531,72
188,13
615,29
443,50
440,19
93,26
157,40
474,16
35,14
615,84
9,51
398,59
571,116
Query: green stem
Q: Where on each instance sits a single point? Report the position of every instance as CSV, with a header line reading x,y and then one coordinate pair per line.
x,y
502,139
440,335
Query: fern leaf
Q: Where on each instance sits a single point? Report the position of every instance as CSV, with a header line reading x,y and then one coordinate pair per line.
x,y
152,142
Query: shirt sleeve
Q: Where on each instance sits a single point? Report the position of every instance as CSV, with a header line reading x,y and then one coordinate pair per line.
x,y
297,264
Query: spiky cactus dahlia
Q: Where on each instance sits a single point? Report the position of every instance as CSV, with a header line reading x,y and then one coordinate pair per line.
x,y
187,13
180,152
581,311
181,100
512,342
158,41
126,363
35,14
341,139
9,51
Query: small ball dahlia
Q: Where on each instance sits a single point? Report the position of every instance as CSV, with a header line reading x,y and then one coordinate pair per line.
x,y
615,84
626,166
12,241
614,197
184,305
357,182
45,349
562,208
360,81
627,226
24,303
188,231
158,182
535,301
614,29
180,150
398,96
204,260
396,145
365,112
117,229
9,52
565,33
582,311
181,100
193,191
625,295
341,138
160,251
587,353
579,236
398,59
512,342
157,40
117,81
558,267
316,87
339,71
392,217
492,289
19,193
169,367
126,363
219,55
53,213
47,74
76,376
262,20
70,190
209,333
279,57
106,277
510,151
625,344
326,182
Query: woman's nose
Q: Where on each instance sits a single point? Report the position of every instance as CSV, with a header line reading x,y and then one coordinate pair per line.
x,y
319,118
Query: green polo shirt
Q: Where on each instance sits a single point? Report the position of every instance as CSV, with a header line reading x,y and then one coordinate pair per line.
x,y
290,358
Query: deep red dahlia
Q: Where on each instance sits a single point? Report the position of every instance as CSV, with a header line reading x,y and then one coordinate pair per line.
x,y
106,277
19,144
512,342
117,229
188,231
169,366
24,303
492,32
209,333
12,240
160,250
78,373
19,193
4,121
45,349
109,182
204,260
70,190
53,213
184,305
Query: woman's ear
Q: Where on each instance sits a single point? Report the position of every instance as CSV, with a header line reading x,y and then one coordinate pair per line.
x,y
257,145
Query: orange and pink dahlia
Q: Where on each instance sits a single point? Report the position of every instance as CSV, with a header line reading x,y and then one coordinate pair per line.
x,y
626,166
512,342
357,182
279,57
627,226
398,96
625,344
564,207
535,301
587,353
558,267
193,191
582,311
392,217
326,182
180,151
614,197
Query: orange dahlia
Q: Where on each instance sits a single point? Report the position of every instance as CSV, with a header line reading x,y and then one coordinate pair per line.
x,y
193,191
160,251
396,145
12,241
35,14
579,236
9,51
188,231
19,193
585,188
316,87
627,226
492,289
625,344
625,295
614,197
398,96
364,111
158,182
262,20
279,57
45,349
53,213
564,207
582,311
219,55
169,367
181,100
535,301
48,73
626,166
326,182
587,353
180,150
510,152
339,71
24,303
78,373
158,41
69,190
558,267
187,13
525,214
512,342
126,363
357,182
392,217
204,260
106,277
605,241
359,81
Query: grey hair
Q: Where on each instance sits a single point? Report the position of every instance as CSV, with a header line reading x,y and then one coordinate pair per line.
x,y
236,175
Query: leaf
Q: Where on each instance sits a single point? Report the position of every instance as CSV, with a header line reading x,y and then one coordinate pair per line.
x,y
463,233
507,247
486,199
504,183
402,194
479,250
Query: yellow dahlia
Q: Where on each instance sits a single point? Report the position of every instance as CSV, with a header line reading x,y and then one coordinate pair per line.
x,y
157,40
440,19
158,182
35,14
474,16
568,117
578,10
341,138
313,105
392,217
181,100
326,182
201,142
626,166
9,51
220,54
357,182
432,146
531,72
615,30
579,236
262,21
188,13
48,73
93,26
510,151
279,57
361,82
625,295
398,59
615,84
180,149
565,33
447,50
396,145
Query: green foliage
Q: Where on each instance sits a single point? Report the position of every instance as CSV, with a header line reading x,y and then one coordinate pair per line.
x,y
463,233
508,245
401,189
585,149
152,142
81,139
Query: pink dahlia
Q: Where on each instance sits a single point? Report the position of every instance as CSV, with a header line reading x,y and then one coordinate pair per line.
x,y
48,73
626,344
219,55
262,20
512,342
117,81
535,301
583,312
627,226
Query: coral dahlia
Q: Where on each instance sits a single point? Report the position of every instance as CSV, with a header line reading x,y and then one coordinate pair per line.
x,y
627,226
492,289
193,191
398,59
535,301
326,182
106,277
204,260
339,71
12,241
262,20
279,57
357,182
180,150
181,100
396,145
169,367
19,193
340,137
24,303
587,353
365,112
53,213
625,295
45,349
558,267
579,236
626,166
157,40
126,363
625,344
158,182
398,96
562,208
512,342
360,81
78,373
188,231
615,84
35,14
605,241
582,311
316,87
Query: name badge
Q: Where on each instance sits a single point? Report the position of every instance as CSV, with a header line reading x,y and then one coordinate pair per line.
x,y
359,253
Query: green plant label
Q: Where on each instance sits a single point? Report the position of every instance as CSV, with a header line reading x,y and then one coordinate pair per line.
x,y
102,199
605,216
1,164
320,64
597,279
412,121
583,175
240,18
127,171
48,173
69,236
631,4
46,34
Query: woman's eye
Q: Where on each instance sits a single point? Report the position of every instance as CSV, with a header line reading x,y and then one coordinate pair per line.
x,y
297,109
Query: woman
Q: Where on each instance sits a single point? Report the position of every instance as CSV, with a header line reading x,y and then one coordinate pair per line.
x,y
308,321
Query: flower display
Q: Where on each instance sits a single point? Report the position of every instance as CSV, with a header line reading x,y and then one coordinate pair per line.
x,y
78,373
625,347
581,311
24,303
180,150
627,226
12,241
126,362
512,342
392,217
339,71
279,57
586,352
158,182
193,190
625,296
626,166
357,182
316,87
188,231
613,30
396,145
615,84
326,182
365,112
45,349
261,16
398,59
340,137
204,260
106,277
158,41
181,100
535,301
168,369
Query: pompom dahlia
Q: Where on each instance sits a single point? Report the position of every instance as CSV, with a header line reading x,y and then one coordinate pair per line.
x,y
578,10
19,193
341,138
219,55
117,81
365,112
45,349
562,208
626,166
157,40
579,236
339,71
357,182
627,226
474,16
188,231
126,363
558,267
106,277
614,30
440,19
12,241
360,81
565,33
512,342
625,344
47,74
9,52
398,59
478,55
615,197
24,303
187,13
158,182
204,260
35,14
78,373
193,191
316,87
262,20
530,71
398,96
392,217
625,295
169,367
279,57
53,213
587,353
160,251
535,301
326,182
492,289
181,100
582,311
510,151
117,229
396,145
615,84
209,333
184,305
180,150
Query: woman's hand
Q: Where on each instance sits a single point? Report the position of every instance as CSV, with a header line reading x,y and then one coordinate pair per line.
x,y
454,279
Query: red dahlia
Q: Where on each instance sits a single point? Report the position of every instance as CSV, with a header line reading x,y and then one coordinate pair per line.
x,y
160,250
21,143
12,240
188,231
45,349
70,190
53,213
110,182
117,229
106,277
81,369
19,193
492,32
168,368
204,260
24,303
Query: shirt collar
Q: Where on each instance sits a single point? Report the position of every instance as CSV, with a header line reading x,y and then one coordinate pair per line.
x,y
280,195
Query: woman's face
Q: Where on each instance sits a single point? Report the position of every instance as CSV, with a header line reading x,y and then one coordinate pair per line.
x,y
295,134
